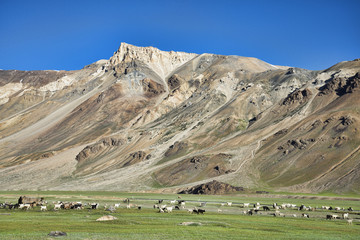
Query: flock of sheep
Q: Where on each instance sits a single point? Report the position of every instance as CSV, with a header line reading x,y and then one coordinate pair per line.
x,y
165,206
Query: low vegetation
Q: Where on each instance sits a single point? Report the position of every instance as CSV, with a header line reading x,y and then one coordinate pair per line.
x,y
220,221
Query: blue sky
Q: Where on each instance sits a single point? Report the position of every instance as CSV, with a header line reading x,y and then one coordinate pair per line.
x,y
39,35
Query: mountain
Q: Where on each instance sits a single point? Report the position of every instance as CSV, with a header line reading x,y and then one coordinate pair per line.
x,y
150,120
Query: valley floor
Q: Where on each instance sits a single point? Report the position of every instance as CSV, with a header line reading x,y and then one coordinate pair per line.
x,y
220,221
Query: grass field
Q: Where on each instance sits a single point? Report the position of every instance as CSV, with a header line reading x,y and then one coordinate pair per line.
x,y
148,223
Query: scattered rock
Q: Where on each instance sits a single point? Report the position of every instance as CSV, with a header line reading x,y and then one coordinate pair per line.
x,y
57,234
106,218
190,224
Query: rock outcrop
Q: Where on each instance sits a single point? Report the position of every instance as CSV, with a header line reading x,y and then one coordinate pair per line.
x,y
161,62
213,187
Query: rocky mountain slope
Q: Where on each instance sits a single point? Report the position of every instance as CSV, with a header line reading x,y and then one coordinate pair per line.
x,y
149,120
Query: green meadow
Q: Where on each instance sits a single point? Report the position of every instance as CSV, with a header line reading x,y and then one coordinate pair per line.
x,y
218,222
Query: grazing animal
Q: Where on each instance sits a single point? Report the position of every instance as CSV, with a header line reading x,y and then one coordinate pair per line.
x,y
169,209
305,215
250,212
350,209
266,208
77,206
190,210
156,206
43,208
128,206
177,208
139,207
160,201
229,204
203,204
201,211
117,205
345,215
94,206
57,206
349,221
173,202
30,200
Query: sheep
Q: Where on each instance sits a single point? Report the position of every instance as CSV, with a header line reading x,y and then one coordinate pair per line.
x,y
117,205
246,204
349,221
169,209
57,206
229,204
43,208
345,215
173,202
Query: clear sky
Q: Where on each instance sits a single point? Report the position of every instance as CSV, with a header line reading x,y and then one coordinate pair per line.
x,y
316,34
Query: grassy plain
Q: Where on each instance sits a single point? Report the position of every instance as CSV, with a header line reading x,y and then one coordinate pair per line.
x,y
147,223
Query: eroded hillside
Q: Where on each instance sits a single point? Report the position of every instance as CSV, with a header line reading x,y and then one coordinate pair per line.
x,y
152,120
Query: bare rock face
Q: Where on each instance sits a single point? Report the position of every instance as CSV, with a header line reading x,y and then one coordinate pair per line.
x,y
98,147
298,96
134,158
152,88
341,85
161,62
174,81
211,188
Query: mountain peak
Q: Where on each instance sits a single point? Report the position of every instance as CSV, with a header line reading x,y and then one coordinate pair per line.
x,y
162,62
